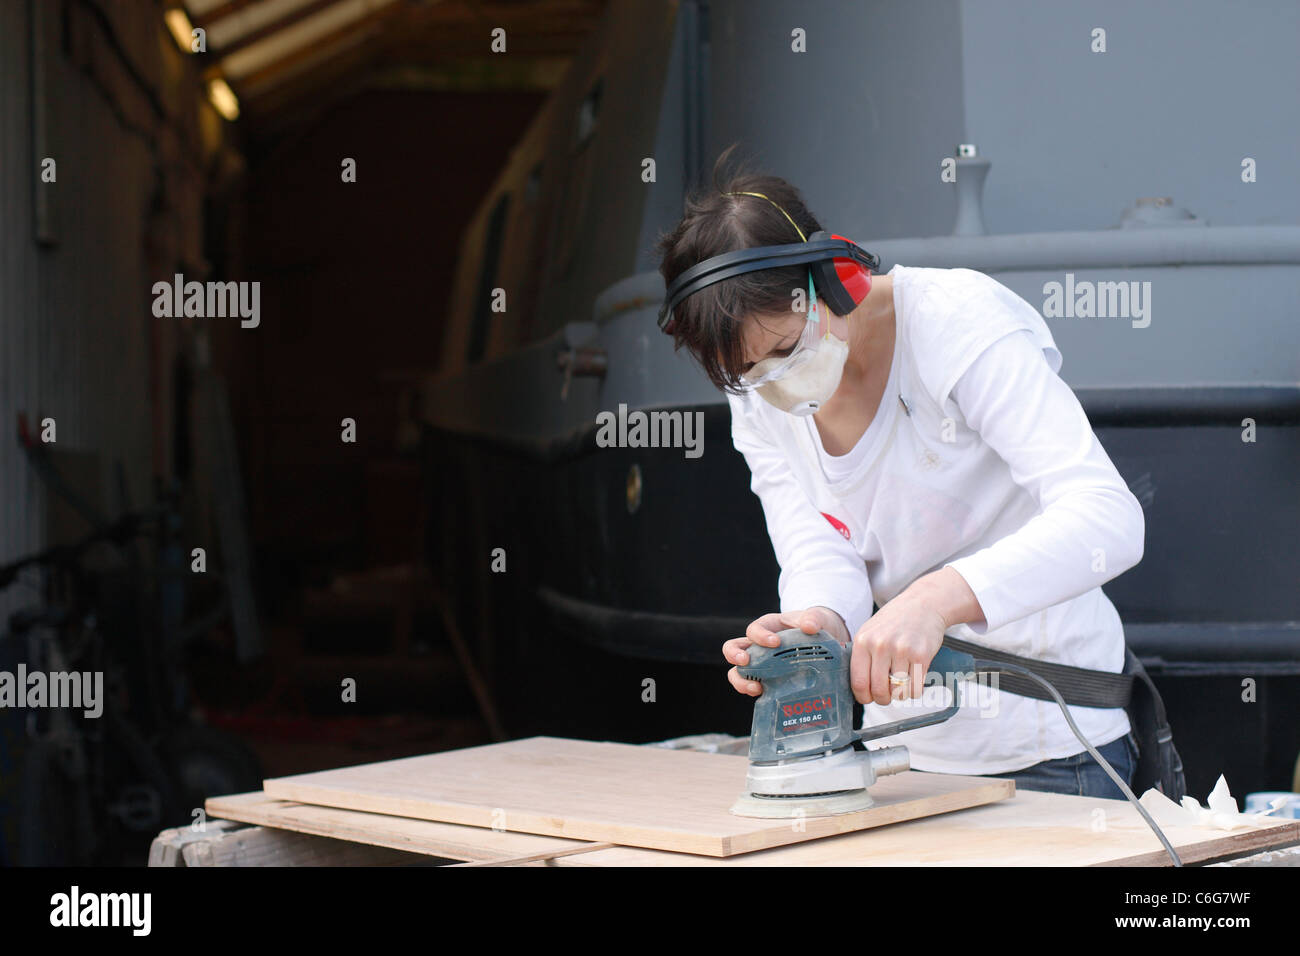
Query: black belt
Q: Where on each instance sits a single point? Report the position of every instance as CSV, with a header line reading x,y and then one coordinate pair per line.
x,y
1079,686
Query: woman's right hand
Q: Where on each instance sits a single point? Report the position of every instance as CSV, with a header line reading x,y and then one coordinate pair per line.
x,y
764,632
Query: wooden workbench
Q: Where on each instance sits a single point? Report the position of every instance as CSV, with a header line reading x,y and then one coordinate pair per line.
x,y
1030,829
553,801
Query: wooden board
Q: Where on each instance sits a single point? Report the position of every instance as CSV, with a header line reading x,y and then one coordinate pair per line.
x,y
447,840
603,792
168,847
1030,829
254,846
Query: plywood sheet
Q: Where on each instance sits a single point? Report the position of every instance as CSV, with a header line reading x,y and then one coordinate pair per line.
x,y
447,840
1031,829
635,796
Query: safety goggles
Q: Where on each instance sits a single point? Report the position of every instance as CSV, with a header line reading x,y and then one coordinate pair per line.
x,y
777,367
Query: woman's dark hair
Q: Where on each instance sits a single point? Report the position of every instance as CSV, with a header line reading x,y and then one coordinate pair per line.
x,y
708,322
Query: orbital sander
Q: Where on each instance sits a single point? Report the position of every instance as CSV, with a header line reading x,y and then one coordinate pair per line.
x,y
802,757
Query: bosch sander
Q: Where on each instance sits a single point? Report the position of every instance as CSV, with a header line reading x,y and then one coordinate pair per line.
x,y
802,757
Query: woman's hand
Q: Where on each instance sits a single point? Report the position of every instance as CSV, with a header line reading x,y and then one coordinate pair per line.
x,y
764,632
904,635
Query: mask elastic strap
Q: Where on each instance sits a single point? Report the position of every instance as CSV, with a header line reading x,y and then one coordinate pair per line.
x,y
814,314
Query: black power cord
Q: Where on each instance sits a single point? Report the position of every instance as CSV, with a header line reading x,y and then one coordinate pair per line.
x,y
984,666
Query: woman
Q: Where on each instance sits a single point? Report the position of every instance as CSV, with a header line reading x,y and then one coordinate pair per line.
x,y
945,472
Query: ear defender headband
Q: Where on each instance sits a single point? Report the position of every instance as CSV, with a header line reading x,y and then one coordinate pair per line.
x,y
840,268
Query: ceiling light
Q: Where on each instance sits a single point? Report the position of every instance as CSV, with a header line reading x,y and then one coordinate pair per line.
x,y
223,99
182,30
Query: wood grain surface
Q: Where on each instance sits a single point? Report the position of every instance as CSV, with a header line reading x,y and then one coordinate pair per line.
x,y
637,796
447,840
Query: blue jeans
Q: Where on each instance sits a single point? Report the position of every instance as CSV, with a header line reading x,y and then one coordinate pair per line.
x,y
1081,774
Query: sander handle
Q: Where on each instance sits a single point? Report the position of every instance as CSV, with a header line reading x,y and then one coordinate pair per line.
x,y
953,666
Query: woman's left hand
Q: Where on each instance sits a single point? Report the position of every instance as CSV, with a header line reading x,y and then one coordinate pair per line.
x,y
905,634
901,638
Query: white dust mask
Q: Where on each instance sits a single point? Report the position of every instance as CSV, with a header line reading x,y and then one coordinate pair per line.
x,y
800,383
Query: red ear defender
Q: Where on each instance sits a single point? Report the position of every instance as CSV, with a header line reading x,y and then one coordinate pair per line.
x,y
855,276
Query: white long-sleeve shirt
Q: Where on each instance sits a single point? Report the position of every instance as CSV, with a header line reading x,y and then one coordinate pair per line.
x,y
979,458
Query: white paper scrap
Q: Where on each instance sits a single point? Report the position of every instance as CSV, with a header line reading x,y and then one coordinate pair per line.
x,y
1221,813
